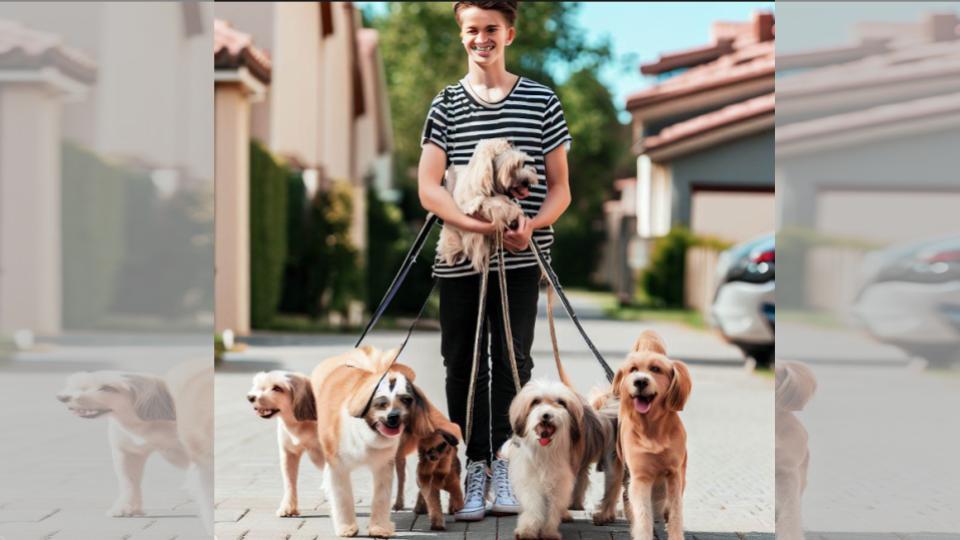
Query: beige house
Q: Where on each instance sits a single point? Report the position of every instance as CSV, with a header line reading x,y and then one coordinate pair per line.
x,y
325,110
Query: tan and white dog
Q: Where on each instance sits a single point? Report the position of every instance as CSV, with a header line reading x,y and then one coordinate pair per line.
x,y
555,435
796,384
495,173
288,397
363,408
652,389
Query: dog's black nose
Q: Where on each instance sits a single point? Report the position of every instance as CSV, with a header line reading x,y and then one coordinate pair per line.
x,y
513,225
393,419
525,184
251,399
62,398
546,416
641,383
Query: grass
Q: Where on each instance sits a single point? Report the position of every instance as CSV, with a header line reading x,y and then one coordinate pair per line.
x,y
643,310
301,324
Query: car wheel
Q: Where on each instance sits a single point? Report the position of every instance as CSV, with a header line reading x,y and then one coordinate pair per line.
x,y
761,354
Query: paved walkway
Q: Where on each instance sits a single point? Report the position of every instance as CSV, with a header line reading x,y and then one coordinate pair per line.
x,y
729,419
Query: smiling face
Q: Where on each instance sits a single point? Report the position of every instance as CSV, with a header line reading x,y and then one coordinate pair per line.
x,y
91,395
394,403
485,34
282,392
544,409
649,381
514,176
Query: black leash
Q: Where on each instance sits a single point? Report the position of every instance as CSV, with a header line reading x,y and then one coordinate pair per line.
x,y
555,282
408,263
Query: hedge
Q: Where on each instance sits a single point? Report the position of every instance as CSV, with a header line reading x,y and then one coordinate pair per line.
x,y
663,278
269,181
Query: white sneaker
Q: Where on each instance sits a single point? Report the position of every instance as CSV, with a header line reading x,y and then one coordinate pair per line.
x,y
474,493
505,502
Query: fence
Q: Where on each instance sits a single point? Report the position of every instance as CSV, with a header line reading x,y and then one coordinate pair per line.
x,y
700,281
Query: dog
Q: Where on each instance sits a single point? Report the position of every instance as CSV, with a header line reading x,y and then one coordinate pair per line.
x,y
495,173
142,420
652,442
364,405
795,385
438,467
554,434
288,397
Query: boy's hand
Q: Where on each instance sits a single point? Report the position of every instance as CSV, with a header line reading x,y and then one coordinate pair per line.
x,y
519,238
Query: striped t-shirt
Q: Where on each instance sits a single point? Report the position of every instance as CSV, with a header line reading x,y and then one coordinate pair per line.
x,y
530,117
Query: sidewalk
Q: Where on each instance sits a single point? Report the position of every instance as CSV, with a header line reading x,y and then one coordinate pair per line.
x,y
729,420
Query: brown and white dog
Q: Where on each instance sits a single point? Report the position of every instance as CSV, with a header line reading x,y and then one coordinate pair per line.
x,y
495,173
651,389
438,467
363,408
555,434
288,397
796,384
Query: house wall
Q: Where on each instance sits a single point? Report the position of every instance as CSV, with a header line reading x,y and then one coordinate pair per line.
x,y
748,161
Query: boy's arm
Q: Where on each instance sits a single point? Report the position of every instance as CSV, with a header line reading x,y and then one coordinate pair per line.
x,y
557,201
435,198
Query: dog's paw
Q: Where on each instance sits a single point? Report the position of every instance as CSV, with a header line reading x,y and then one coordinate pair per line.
x,y
526,534
420,508
287,510
124,509
398,506
437,524
566,517
381,531
347,531
604,517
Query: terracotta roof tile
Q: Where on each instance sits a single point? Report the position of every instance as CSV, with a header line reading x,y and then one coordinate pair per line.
x,y
726,116
233,49
29,49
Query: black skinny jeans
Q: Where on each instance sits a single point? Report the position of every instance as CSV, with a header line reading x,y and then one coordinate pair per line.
x,y
459,302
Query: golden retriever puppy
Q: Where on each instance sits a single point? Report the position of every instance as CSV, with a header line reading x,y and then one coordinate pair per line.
x,y
142,420
288,397
795,385
651,389
545,454
364,405
495,173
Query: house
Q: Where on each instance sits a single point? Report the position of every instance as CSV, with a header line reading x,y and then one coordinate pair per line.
x,y
325,108
704,138
866,150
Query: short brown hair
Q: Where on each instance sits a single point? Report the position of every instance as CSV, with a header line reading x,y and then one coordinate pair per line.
x,y
507,7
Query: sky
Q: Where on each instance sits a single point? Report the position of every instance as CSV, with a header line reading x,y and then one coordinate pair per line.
x,y
640,31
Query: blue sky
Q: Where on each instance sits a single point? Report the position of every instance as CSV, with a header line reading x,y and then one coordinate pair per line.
x,y
640,31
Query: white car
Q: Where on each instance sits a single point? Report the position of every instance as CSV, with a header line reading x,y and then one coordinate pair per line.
x,y
743,308
910,298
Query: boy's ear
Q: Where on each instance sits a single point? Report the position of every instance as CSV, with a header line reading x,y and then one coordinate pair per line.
x,y
511,34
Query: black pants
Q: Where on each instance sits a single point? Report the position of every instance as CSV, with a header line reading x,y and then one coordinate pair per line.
x,y
459,302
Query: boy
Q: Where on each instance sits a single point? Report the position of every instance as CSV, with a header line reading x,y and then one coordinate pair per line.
x,y
490,102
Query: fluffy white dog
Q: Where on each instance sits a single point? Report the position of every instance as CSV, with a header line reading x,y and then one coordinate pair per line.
x,y
495,173
545,454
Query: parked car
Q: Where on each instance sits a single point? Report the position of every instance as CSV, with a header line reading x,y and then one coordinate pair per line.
x,y
743,308
910,297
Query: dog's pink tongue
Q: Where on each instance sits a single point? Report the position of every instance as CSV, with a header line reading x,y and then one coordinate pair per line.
x,y
640,405
544,441
389,431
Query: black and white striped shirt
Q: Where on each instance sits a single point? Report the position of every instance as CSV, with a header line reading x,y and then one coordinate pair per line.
x,y
530,117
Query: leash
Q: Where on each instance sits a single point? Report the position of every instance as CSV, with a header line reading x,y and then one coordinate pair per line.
x,y
408,263
554,282
478,335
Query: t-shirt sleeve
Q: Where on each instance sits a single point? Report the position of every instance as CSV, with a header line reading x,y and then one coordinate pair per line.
x,y
555,130
435,127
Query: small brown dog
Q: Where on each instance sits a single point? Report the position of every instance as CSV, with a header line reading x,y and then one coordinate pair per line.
x,y
438,468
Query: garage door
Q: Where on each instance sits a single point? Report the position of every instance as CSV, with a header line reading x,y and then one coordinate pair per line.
x,y
734,216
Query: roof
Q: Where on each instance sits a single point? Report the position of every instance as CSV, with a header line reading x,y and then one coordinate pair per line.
x,y
233,49
23,48
740,52
711,121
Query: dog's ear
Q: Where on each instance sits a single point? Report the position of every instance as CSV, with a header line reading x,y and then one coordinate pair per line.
x,y
151,398
480,169
450,438
649,341
301,393
519,410
680,386
617,380
796,384
420,423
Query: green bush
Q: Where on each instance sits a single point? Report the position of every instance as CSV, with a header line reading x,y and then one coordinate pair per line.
x,y
663,278
268,233
577,249
92,229
322,272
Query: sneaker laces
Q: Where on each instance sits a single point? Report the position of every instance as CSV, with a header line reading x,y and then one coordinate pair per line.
x,y
501,480
476,476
